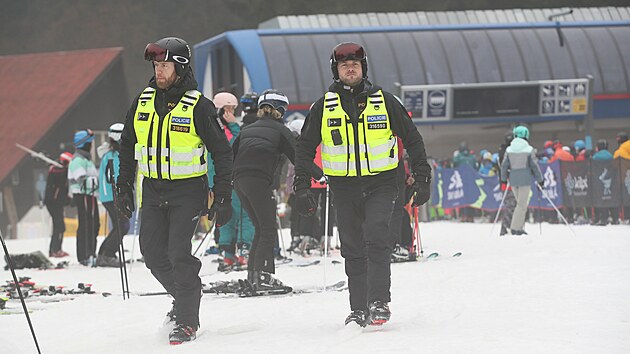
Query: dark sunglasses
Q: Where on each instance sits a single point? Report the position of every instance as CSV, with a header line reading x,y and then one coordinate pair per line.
x,y
349,51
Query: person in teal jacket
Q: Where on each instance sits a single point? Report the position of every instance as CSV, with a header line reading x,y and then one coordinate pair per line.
x,y
235,237
83,186
110,163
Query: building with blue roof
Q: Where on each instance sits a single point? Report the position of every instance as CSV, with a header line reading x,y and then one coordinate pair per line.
x,y
291,54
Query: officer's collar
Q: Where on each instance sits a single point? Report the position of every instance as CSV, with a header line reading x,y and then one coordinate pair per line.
x,y
358,88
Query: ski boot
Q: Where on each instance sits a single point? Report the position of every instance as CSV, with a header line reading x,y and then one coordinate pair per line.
x,y
295,244
308,243
107,261
263,283
322,244
182,333
401,254
242,254
379,313
360,317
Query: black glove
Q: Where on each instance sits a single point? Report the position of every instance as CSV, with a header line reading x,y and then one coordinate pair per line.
x,y
541,184
124,199
223,210
422,190
305,202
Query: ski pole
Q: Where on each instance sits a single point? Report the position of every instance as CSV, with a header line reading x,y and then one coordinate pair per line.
x,y
416,231
326,220
19,291
540,216
556,208
507,188
203,240
276,196
135,226
212,213
124,280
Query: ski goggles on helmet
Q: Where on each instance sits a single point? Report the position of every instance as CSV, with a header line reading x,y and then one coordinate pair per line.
x,y
348,51
153,52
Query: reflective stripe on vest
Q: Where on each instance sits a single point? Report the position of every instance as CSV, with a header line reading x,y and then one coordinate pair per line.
x,y
168,148
377,145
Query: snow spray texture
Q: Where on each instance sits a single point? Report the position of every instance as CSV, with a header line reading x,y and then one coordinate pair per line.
x,y
575,184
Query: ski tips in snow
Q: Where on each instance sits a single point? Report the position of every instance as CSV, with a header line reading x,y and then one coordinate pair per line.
x,y
436,255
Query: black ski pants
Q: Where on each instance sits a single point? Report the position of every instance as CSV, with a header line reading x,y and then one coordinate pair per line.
x,y
59,226
258,200
87,229
111,244
168,209
363,218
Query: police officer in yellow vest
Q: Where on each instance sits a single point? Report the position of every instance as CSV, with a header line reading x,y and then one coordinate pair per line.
x,y
357,124
168,131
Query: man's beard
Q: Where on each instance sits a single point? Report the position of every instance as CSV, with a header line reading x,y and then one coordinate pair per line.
x,y
352,83
164,84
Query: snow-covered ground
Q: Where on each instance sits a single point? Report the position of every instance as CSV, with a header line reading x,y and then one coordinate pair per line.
x,y
549,293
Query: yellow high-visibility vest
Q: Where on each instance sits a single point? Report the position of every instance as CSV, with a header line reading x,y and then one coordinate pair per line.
x,y
378,148
170,150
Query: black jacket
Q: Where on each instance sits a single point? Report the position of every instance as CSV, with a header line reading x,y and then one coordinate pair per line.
x,y
57,186
353,101
259,147
206,126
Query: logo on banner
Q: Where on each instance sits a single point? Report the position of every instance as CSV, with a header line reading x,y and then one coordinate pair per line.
x,y
455,187
576,186
606,182
550,183
498,194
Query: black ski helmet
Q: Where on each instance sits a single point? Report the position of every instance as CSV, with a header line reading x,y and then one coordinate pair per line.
x,y
602,144
348,51
275,99
249,101
171,49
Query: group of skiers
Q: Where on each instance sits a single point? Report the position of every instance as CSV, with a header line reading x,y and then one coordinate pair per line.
x,y
78,182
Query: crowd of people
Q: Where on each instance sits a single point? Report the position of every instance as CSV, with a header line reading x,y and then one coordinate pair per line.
x,y
487,163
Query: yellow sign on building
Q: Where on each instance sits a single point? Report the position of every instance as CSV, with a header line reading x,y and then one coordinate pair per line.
x,y
579,105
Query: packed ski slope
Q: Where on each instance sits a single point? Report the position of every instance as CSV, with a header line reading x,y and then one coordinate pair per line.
x,y
549,293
